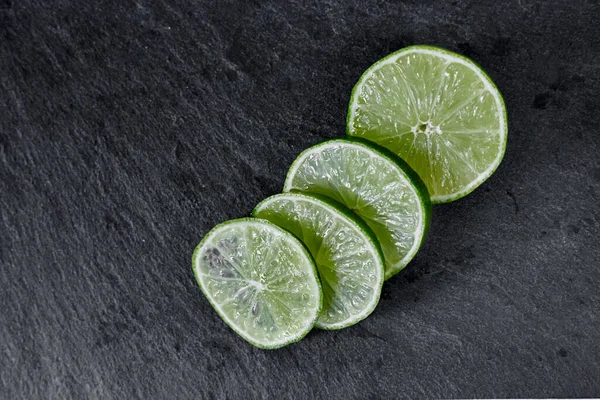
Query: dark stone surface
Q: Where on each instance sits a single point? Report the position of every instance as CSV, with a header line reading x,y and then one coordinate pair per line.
x,y
129,128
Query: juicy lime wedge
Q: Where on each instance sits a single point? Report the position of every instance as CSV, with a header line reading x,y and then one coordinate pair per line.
x,y
260,279
373,183
438,111
348,257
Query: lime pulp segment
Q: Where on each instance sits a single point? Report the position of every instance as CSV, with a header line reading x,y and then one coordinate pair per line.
x,y
260,279
373,183
438,111
347,254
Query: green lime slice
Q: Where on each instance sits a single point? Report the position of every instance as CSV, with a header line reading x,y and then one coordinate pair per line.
x,y
438,111
260,279
376,185
348,257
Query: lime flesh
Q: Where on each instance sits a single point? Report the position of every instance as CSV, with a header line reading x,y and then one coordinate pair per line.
x,y
438,111
373,183
260,279
347,254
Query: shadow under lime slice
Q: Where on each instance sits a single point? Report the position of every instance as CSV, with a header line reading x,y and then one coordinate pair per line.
x,y
260,279
345,250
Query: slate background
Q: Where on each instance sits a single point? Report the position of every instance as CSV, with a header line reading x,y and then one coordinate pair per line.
x,y
129,128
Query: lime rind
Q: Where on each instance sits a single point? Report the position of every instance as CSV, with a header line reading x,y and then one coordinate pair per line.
x,y
311,274
404,174
452,57
342,245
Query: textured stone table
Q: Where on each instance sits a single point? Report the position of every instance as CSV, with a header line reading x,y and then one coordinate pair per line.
x,y
129,128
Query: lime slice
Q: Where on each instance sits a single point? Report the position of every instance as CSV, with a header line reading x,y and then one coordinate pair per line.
x,y
348,257
438,111
376,185
260,279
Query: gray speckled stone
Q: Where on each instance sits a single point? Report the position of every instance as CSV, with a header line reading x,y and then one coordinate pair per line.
x,y
129,128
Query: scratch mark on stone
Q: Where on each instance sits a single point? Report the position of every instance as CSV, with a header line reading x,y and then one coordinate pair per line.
x,y
514,199
365,333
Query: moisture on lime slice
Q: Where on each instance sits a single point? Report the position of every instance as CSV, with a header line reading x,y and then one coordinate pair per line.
x,y
438,111
376,185
347,254
260,279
